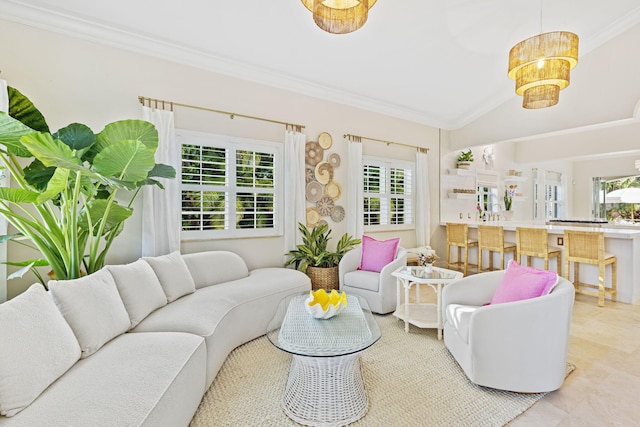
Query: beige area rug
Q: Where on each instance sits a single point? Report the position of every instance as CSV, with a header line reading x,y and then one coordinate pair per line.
x,y
411,380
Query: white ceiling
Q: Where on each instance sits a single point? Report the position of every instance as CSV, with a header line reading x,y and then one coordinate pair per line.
x,y
442,63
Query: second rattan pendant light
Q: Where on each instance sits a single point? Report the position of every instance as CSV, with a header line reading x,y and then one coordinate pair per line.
x,y
339,16
540,65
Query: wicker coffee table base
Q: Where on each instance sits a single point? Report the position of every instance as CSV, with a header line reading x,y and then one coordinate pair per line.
x,y
325,391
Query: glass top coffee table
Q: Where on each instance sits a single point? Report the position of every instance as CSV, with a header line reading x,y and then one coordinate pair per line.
x,y
325,385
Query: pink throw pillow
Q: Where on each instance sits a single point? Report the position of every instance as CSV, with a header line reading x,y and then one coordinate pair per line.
x,y
376,254
521,282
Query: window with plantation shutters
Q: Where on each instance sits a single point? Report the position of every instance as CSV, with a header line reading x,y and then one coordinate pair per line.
x,y
230,186
388,193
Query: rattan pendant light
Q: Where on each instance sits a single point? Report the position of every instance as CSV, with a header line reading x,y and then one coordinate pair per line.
x,y
339,16
540,65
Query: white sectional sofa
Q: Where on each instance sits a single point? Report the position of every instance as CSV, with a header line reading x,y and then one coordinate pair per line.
x,y
132,345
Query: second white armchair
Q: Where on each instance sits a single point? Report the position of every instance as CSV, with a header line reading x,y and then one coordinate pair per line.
x,y
379,289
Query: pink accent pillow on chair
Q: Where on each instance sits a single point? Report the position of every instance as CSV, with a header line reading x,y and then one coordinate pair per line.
x,y
377,254
522,282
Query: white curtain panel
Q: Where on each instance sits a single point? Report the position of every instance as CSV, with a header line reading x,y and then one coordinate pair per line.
x,y
294,182
355,199
423,223
161,208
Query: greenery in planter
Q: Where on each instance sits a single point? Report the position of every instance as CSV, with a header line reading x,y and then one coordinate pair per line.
x,y
313,251
63,202
466,156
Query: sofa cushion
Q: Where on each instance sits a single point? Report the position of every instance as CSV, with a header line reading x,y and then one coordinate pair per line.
x,y
92,307
459,316
228,314
376,254
142,380
362,280
522,282
139,289
37,346
214,267
173,274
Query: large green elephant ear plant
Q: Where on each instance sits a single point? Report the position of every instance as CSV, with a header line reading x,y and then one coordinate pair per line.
x,y
62,199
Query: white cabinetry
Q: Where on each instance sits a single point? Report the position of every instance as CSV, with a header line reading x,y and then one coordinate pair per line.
x,y
462,184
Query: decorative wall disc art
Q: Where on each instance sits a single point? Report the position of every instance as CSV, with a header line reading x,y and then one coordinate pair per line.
x,y
313,191
337,214
333,190
312,217
324,172
322,222
309,174
325,206
313,153
334,160
325,140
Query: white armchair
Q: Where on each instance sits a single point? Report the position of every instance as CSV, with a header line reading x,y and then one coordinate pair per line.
x,y
379,289
518,346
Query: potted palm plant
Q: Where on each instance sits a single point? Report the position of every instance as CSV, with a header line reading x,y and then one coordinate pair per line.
x,y
64,185
315,259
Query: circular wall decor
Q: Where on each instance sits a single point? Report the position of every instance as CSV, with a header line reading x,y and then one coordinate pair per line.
x,y
313,191
334,160
325,206
322,222
309,174
325,140
333,190
324,172
313,153
312,217
337,214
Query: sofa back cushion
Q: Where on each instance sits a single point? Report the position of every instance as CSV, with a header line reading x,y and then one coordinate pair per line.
x,y
213,267
139,289
92,307
521,282
173,274
37,346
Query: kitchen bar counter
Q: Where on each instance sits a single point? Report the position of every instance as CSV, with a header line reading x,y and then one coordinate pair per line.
x,y
624,243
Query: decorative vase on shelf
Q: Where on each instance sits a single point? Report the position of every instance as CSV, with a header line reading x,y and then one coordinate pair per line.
x,y
508,215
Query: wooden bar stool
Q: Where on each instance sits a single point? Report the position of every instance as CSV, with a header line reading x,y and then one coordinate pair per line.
x,y
534,242
491,238
587,247
458,237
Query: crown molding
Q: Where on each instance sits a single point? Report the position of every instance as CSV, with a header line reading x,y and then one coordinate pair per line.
x,y
76,27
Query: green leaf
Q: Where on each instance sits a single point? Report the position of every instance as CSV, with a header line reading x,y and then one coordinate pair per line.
x,y
11,130
51,152
96,208
58,182
7,237
18,195
161,170
126,130
22,109
77,136
128,160
38,175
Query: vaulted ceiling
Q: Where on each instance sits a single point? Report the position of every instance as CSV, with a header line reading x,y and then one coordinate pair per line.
x,y
441,63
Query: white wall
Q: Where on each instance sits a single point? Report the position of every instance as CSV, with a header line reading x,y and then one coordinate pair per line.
x,y
72,80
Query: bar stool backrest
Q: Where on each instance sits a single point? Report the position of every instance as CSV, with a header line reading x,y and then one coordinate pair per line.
x,y
532,241
457,234
584,246
491,237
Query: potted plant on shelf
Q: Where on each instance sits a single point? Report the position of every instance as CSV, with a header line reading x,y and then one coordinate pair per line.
x,y
72,190
313,258
465,158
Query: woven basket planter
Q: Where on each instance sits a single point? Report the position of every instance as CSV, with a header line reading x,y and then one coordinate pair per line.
x,y
323,277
